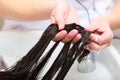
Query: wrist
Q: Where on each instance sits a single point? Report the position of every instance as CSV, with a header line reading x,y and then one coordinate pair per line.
x,y
113,21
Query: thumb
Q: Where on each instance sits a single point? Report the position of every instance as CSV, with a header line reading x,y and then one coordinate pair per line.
x,y
58,20
91,28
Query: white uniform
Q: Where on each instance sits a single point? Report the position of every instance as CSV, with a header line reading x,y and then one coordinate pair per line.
x,y
87,10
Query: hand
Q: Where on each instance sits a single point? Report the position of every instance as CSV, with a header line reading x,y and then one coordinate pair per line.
x,y
102,34
65,14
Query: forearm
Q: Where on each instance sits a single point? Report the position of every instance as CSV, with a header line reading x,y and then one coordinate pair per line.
x,y
114,17
26,9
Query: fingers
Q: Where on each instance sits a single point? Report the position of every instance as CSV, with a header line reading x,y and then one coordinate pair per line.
x,y
60,20
76,38
59,36
91,28
101,36
107,36
96,47
65,14
66,37
70,35
101,39
59,14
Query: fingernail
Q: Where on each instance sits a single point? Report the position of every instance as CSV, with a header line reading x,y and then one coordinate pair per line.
x,y
61,26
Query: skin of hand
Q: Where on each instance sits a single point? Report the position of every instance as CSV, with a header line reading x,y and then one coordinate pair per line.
x,y
102,26
101,35
113,16
30,10
67,15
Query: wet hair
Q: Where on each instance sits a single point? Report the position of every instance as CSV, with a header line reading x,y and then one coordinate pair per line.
x,y
31,65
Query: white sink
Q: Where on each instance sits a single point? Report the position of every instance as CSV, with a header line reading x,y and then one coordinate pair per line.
x,y
107,67
15,44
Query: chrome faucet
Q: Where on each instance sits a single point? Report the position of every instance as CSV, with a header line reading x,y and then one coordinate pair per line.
x,y
88,64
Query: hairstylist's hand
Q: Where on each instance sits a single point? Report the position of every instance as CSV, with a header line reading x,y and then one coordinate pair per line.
x,y
102,34
65,14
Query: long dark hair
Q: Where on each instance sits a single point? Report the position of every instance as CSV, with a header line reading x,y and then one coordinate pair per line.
x,y
31,65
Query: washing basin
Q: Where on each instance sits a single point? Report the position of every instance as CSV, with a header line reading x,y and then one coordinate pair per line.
x,y
14,44
107,64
